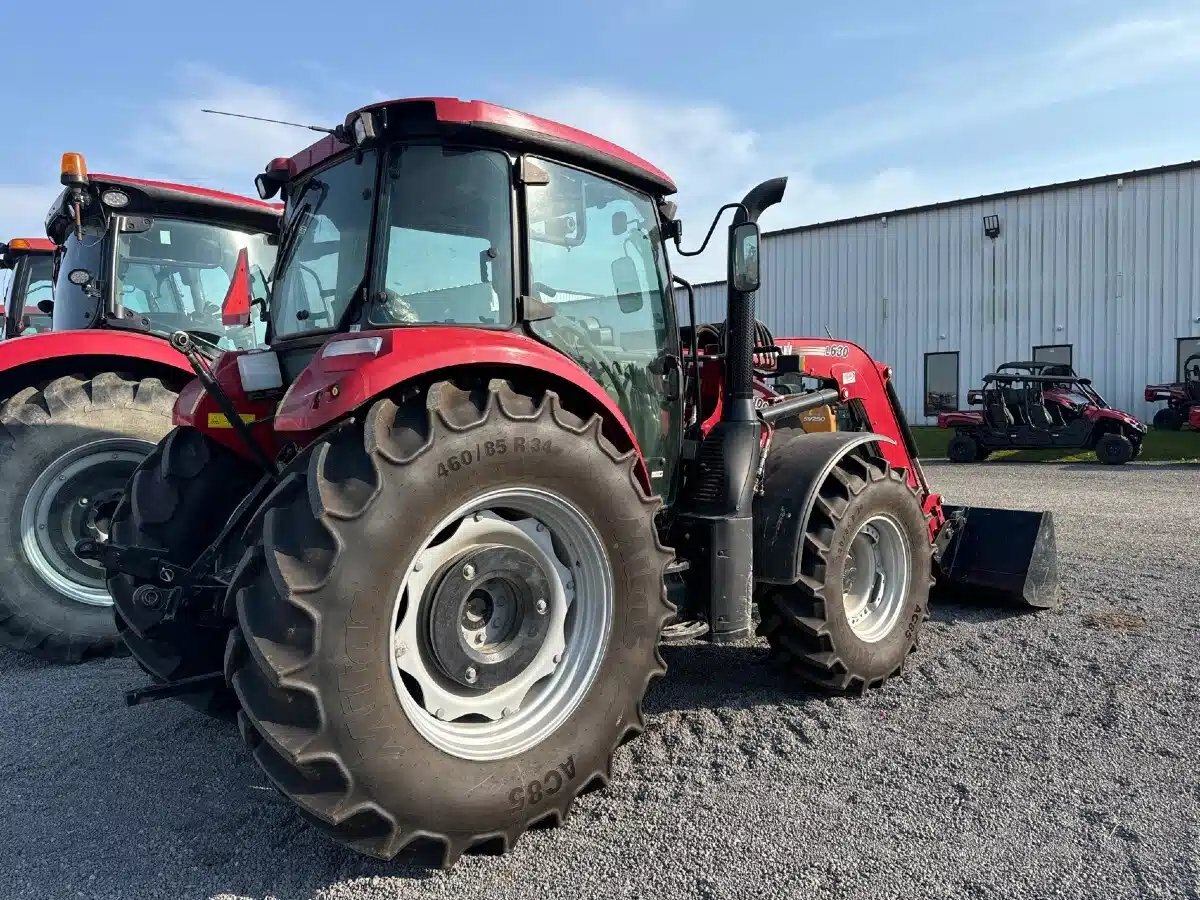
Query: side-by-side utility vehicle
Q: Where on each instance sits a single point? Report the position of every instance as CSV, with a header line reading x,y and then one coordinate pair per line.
x,y
1182,397
1024,411
480,467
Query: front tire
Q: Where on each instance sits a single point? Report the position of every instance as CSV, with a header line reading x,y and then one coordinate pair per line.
x,y
854,616
964,449
352,654
1114,449
178,500
66,451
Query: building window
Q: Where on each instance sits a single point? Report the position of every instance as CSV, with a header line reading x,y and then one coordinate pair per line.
x,y
1053,353
941,382
1186,348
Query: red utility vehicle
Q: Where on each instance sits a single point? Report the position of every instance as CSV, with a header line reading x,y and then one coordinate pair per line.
x,y
84,403
1027,411
30,262
1182,397
480,466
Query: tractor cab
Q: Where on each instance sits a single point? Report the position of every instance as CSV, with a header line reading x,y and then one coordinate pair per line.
x,y
30,283
449,215
154,257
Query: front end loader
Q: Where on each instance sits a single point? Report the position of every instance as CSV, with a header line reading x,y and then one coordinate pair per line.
x,y
488,467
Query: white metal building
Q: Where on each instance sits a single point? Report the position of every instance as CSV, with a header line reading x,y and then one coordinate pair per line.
x,y
1103,273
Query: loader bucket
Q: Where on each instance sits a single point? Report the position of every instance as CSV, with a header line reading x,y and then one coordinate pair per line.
x,y
1000,555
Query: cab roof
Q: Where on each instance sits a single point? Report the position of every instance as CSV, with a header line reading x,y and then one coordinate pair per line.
x,y
165,198
488,123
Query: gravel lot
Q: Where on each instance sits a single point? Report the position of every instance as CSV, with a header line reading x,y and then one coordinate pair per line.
x,y
1049,755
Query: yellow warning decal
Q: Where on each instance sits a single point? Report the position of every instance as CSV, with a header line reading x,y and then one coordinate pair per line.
x,y
220,420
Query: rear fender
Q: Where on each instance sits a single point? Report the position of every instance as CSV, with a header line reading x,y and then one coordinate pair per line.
x,y
41,357
793,474
98,342
353,369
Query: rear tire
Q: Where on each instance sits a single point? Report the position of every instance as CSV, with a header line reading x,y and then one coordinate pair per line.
x,y
817,628
321,663
963,449
1168,419
1114,449
66,451
178,501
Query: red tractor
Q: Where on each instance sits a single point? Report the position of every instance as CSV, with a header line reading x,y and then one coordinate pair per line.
x,y
30,262
84,403
480,467
1023,410
1182,397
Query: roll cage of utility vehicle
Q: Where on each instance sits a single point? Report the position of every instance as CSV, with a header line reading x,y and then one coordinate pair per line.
x,y
434,575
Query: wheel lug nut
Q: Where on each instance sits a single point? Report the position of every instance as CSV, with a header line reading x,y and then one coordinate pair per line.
x,y
441,714
506,712
469,572
540,606
83,501
557,658
471,676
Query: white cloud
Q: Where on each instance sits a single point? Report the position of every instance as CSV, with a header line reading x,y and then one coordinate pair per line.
x,y
180,142
23,209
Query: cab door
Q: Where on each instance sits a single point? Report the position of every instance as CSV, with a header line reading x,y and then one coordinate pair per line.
x,y
597,275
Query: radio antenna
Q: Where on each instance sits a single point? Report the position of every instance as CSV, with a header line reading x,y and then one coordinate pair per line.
x,y
218,112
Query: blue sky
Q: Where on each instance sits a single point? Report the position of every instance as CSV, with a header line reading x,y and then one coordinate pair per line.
x,y
867,106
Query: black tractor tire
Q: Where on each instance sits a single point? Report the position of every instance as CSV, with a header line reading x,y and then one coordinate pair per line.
x,y
178,500
963,449
807,624
1114,449
1169,419
982,454
56,429
311,659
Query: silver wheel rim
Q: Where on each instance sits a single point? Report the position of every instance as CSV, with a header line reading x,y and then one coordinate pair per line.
x,y
71,500
876,577
507,719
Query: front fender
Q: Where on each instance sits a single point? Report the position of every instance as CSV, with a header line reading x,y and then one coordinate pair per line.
x,y
352,369
33,348
793,474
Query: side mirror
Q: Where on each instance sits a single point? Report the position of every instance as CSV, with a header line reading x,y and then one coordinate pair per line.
x,y
628,285
46,307
235,308
743,257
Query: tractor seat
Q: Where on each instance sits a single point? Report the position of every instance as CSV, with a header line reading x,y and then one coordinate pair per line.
x,y
1193,391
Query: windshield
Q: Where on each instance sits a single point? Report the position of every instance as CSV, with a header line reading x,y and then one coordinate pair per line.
x,y
175,273
33,282
446,238
167,274
323,252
